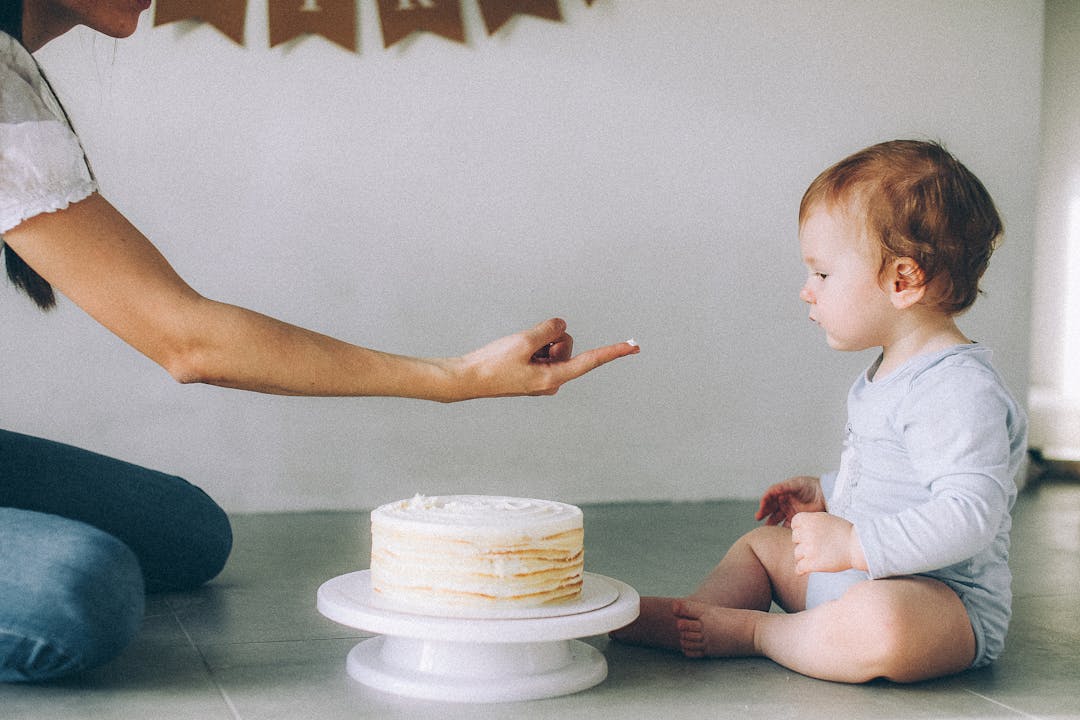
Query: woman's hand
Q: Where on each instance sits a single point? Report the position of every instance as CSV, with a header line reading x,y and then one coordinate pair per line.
x,y
784,500
537,361
825,543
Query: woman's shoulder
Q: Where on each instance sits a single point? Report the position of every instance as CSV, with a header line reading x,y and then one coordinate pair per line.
x,y
15,60
24,94
42,166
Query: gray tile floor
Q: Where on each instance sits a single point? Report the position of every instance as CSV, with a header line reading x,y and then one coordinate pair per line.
x,y
252,645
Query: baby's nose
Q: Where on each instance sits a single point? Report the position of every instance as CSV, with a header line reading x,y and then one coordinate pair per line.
x,y
805,296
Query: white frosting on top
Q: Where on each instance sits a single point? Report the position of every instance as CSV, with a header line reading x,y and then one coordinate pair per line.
x,y
481,514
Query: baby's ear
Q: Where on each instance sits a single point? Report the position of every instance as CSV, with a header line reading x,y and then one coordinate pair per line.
x,y
907,282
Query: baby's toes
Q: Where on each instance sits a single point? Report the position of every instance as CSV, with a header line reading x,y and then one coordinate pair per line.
x,y
691,638
692,646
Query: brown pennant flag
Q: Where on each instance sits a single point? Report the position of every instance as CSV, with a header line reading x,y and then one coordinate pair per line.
x,y
335,20
498,12
226,15
401,18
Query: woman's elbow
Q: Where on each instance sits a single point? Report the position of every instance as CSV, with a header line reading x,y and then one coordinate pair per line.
x,y
187,367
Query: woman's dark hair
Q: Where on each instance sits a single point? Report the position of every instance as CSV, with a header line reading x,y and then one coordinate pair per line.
x,y
11,17
21,274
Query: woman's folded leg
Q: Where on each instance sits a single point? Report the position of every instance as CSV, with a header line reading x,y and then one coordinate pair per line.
x,y
180,536
71,596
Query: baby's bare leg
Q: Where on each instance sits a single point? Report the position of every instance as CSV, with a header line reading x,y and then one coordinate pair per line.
x,y
655,625
757,568
903,629
713,631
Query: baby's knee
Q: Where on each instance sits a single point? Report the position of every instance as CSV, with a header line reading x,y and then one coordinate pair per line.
x,y
770,544
888,632
80,605
766,536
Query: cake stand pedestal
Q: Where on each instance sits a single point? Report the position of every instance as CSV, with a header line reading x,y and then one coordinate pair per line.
x,y
512,657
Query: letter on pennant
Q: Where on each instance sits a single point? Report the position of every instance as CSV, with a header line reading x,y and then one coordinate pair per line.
x,y
499,12
335,20
401,18
225,15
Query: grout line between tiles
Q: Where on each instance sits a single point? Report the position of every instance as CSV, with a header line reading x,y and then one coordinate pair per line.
x,y
1003,705
206,666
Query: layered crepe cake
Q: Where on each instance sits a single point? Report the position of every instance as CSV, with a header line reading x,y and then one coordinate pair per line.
x,y
444,553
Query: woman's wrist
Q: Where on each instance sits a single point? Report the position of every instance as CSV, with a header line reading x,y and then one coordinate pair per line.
x,y
448,380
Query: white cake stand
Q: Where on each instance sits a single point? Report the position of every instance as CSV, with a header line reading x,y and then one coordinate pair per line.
x,y
462,659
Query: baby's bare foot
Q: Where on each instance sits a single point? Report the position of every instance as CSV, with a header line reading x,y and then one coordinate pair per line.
x,y
654,627
713,631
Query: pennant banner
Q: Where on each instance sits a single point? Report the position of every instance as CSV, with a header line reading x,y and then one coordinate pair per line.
x,y
401,18
335,20
228,17
499,12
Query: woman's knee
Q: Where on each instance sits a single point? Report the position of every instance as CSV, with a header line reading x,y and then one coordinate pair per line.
x,y
180,536
194,547
73,606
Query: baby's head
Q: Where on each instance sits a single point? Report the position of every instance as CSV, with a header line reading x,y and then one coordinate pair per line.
x,y
916,201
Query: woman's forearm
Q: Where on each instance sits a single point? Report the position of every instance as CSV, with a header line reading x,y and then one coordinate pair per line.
x,y
234,347
94,256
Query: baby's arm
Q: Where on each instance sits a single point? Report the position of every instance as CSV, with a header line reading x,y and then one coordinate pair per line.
x,y
957,433
961,521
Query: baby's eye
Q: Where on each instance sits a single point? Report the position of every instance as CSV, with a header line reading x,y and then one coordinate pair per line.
x,y
820,275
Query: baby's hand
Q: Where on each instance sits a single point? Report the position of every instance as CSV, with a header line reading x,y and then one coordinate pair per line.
x,y
784,500
825,543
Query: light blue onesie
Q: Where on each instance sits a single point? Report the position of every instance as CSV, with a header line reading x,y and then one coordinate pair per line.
x,y
927,477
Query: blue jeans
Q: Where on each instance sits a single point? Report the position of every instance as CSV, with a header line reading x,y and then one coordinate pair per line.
x,y
82,538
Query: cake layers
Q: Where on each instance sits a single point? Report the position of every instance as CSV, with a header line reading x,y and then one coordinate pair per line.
x,y
476,551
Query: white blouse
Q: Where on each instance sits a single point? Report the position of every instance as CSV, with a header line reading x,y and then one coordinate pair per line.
x,y
42,165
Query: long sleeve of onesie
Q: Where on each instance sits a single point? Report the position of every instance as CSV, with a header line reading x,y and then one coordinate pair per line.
x,y
927,475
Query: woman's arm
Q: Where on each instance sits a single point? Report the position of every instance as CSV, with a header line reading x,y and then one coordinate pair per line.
x,y
94,256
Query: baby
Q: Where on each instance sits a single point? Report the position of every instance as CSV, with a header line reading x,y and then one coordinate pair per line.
x,y
895,566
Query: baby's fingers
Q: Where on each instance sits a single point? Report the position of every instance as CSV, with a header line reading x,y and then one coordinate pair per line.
x,y
775,517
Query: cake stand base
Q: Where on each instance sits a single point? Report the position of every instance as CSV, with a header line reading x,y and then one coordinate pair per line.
x,y
489,659
467,672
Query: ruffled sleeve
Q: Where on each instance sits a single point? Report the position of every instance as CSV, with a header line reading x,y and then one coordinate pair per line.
x,y
42,165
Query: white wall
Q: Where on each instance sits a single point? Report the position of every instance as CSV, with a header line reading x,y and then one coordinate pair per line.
x,y
635,169
1055,332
